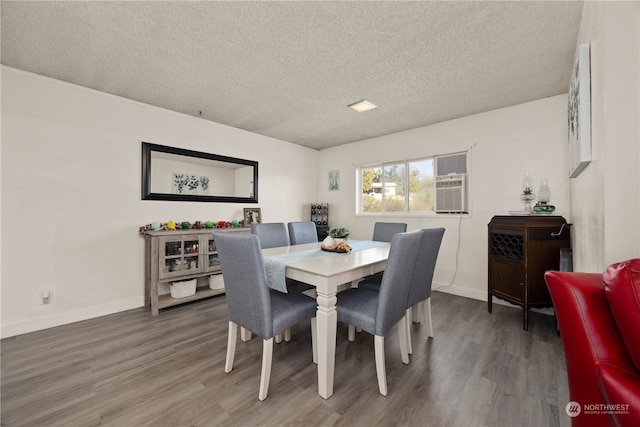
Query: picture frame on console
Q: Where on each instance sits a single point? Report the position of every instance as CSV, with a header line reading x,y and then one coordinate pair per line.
x,y
252,216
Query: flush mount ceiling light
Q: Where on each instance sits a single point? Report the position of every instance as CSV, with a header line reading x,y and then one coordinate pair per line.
x,y
362,106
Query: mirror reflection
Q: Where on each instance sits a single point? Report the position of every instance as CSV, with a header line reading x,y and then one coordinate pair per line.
x,y
175,174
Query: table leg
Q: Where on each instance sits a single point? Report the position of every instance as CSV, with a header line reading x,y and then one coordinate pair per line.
x,y
327,319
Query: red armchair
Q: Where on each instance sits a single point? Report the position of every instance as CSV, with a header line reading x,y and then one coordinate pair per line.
x,y
599,320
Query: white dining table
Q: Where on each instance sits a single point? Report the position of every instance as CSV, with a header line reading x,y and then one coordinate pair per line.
x,y
327,274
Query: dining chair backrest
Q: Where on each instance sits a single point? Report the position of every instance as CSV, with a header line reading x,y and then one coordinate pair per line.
x,y
396,280
384,231
425,265
271,235
245,282
302,232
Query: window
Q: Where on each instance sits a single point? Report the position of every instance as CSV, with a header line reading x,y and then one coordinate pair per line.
x,y
406,186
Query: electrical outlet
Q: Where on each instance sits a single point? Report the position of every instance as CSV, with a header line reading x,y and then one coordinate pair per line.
x,y
45,297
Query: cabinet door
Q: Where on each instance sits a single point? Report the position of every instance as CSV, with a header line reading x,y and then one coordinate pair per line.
x,y
507,279
211,260
179,256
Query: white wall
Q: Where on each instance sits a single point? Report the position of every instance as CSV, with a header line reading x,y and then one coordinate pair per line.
x,y
504,144
603,202
605,197
71,187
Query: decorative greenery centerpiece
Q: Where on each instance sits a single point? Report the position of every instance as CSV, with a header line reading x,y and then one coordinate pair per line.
x,y
339,233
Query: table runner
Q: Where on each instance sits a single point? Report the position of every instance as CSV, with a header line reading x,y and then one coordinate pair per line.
x,y
275,265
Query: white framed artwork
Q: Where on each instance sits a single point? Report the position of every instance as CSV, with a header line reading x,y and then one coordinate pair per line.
x,y
579,113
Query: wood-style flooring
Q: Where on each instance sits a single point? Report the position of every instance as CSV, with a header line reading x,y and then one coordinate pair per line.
x,y
131,369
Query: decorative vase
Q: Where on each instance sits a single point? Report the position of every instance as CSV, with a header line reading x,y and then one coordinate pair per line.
x,y
328,241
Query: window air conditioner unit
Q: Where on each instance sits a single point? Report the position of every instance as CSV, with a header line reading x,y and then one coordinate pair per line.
x,y
451,193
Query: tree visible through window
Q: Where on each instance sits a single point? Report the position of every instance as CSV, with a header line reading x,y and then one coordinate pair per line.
x,y
372,190
421,186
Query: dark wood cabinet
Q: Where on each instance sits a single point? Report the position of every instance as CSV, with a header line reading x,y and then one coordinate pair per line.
x,y
521,249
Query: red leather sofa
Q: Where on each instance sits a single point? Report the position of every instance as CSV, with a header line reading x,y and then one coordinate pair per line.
x,y
599,320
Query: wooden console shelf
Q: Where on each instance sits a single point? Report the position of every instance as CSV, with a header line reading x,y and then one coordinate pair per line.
x,y
174,256
521,249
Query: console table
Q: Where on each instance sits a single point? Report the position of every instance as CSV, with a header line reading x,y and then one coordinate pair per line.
x,y
521,249
177,255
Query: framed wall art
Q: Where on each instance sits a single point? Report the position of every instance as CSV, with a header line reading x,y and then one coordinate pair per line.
x,y
579,113
334,180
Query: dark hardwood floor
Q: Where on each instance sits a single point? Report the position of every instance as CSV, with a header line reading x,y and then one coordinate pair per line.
x,y
129,369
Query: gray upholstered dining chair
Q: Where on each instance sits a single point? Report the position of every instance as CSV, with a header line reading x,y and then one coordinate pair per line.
x,y
253,305
420,292
302,232
272,234
421,281
384,231
377,312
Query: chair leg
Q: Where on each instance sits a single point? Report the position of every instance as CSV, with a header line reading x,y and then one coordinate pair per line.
x,y
278,338
381,370
427,316
231,346
267,357
314,341
245,334
287,334
407,321
415,312
403,335
352,333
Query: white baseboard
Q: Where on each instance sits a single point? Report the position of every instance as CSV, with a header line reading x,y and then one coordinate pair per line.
x,y
58,319
481,296
462,292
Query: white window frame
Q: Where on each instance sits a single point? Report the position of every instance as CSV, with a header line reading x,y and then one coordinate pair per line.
x,y
406,163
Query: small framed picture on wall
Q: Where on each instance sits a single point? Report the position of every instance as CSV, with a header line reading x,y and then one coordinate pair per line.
x,y
334,180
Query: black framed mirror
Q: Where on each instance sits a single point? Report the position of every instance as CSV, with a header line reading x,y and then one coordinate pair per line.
x,y
178,174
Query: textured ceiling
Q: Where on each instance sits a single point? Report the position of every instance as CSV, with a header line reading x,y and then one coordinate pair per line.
x,y
289,69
